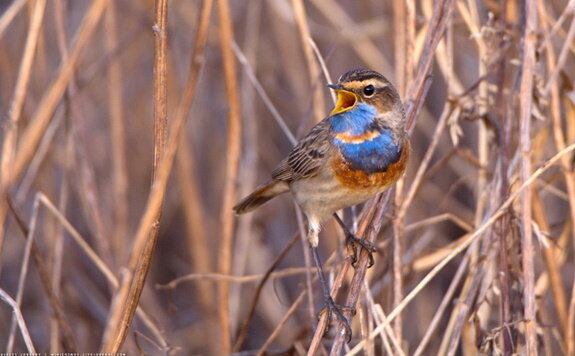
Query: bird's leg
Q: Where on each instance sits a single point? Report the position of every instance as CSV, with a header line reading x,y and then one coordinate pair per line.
x,y
352,242
330,306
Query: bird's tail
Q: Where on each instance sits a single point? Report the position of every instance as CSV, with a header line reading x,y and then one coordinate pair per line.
x,y
262,194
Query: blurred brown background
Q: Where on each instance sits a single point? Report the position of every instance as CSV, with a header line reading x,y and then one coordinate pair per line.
x,y
93,160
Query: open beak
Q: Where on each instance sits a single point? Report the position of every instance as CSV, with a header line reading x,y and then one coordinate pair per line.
x,y
346,100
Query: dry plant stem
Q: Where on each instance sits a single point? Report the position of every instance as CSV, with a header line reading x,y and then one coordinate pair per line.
x,y
424,164
563,55
569,177
447,299
195,218
160,86
20,89
20,319
232,159
57,243
45,278
418,91
399,21
10,13
557,23
282,322
369,227
41,118
323,66
87,182
468,241
465,302
410,27
398,237
307,261
116,110
243,331
286,272
528,255
45,109
23,274
40,198
266,99
146,237
362,44
437,25
380,317
43,148
502,228
551,264
322,324
317,92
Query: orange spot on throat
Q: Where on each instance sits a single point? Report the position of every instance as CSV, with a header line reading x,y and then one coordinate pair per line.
x,y
366,136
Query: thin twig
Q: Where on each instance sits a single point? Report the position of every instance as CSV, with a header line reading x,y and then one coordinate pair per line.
x,y
480,230
243,331
20,319
417,93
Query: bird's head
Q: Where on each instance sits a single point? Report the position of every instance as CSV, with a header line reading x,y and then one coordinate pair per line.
x,y
369,87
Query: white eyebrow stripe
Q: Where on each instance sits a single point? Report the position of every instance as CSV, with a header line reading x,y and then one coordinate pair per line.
x,y
362,83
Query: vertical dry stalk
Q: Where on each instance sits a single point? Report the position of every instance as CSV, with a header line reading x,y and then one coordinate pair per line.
x,y
400,21
160,85
568,320
10,13
418,90
361,44
45,110
232,159
195,216
437,23
69,90
116,109
146,237
312,66
466,243
45,278
20,90
526,98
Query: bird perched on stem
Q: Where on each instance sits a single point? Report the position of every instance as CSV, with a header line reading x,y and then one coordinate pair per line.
x,y
359,150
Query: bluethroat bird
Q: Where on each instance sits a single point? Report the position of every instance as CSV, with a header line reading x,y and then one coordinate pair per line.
x,y
359,150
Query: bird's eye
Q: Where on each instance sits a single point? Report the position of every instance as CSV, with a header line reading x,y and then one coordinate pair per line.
x,y
369,90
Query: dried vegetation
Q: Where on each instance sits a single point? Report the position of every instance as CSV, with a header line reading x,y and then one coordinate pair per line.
x,y
129,129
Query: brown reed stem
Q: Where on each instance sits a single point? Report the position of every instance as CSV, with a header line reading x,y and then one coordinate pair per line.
x,y
417,92
147,235
196,219
117,134
526,99
312,66
10,135
232,158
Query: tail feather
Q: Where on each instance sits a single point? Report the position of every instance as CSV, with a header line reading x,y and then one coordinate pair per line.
x,y
262,194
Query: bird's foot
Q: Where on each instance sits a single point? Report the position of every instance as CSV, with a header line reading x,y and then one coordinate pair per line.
x,y
332,308
354,243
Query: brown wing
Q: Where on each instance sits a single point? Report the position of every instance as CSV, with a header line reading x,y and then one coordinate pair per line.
x,y
307,157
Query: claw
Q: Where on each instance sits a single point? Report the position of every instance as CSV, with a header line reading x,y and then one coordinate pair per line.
x,y
332,308
353,242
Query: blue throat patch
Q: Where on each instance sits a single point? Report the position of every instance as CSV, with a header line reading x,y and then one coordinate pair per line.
x,y
370,154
